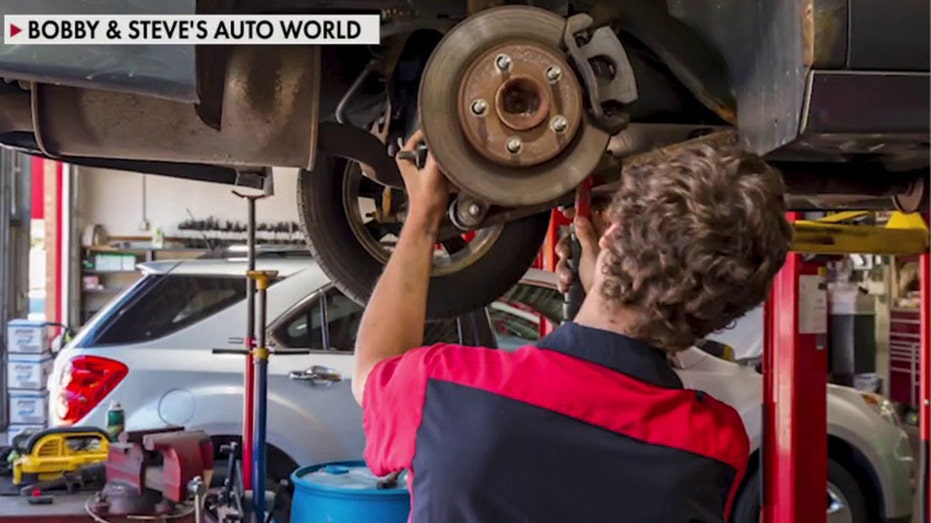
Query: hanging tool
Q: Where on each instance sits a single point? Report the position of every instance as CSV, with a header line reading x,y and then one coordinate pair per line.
x,y
248,422
573,298
260,355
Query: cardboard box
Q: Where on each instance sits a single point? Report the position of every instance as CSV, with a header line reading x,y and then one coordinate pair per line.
x,y
28,408
27,336
28,371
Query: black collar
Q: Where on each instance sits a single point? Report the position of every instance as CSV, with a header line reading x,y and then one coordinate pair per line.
x,y
634,358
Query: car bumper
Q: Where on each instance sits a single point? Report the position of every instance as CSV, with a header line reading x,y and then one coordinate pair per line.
x,y
895,469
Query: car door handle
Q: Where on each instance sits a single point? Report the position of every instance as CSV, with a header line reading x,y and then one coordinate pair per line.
x,y
317,376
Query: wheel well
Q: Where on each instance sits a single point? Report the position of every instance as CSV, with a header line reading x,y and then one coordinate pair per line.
x,y
853,461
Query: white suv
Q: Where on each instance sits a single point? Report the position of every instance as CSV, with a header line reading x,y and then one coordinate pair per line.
x,y
151,350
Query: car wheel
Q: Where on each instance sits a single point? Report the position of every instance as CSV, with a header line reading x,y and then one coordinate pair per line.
x,y
845,501
340,209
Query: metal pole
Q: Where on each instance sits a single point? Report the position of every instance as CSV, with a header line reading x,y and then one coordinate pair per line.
x,y
248,411
261,354
261,385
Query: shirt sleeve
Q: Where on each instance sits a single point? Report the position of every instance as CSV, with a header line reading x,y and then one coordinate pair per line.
x,y
392,407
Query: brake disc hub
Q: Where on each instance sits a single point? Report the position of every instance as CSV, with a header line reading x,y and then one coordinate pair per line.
x,y
516,107
502,110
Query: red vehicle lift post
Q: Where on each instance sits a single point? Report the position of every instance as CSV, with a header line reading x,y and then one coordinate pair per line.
x,y
795,368
795,361
924,365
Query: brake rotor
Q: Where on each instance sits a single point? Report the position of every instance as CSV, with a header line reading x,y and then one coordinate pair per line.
x,y
519,104
502,112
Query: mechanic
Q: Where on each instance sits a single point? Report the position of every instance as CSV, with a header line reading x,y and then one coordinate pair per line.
x,y
592,424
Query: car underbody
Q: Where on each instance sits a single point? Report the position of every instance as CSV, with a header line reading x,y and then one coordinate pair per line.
x,y
519,104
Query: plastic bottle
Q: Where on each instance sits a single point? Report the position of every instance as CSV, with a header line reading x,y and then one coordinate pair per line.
x,y
115,419
158,238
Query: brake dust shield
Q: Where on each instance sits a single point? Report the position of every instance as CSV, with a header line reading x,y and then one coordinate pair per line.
x,y
502,110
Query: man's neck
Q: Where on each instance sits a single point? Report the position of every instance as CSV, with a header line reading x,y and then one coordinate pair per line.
x,y
598,314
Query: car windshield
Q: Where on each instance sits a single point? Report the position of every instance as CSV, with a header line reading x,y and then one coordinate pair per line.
x,y
161,304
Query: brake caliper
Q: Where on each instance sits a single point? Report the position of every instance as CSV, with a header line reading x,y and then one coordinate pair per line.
x,y
604,70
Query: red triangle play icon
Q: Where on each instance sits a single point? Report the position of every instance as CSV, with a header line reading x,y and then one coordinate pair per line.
x,y
14,30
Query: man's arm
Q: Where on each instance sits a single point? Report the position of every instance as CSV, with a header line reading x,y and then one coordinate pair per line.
x,y
395,316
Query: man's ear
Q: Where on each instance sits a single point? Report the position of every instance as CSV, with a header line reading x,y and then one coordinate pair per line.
x,y
603,241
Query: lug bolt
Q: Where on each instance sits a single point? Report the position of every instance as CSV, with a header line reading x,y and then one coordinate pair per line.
x,y
475,210
553,73
559,123
503,62
479,107
515,145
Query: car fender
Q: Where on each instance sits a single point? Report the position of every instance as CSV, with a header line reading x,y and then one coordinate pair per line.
x,y
870,435
884,446
300,433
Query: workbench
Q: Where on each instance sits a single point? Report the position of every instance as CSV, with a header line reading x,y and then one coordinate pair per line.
x,y
65,509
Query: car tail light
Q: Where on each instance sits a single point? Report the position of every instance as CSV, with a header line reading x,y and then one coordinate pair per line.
x,y
84,383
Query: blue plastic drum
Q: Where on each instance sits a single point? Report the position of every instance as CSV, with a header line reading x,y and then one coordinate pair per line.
x,y
347,492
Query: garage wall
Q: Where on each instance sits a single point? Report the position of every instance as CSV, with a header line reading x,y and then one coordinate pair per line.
x,y
114,199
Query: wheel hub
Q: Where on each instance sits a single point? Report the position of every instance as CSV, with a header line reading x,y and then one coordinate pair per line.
x,y
537,110
502,110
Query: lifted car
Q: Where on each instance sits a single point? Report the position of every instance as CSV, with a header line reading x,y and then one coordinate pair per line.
x,y
519,103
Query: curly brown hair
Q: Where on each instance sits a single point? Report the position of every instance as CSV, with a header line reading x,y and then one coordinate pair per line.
x,y
701,234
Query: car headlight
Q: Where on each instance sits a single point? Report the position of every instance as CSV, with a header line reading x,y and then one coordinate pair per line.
x,y
883,407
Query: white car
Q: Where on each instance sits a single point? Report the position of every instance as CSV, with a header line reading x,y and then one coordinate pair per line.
x,y
151,350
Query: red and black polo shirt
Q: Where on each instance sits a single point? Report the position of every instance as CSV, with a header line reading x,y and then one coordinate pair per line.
x,y
587,426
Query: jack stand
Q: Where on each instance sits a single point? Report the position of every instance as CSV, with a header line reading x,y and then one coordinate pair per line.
x,y
260,355
248,425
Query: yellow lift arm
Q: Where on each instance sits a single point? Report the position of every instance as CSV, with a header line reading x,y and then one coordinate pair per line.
x,y
903,234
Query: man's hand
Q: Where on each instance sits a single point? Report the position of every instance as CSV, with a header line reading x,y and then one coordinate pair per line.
x,y
427,188
588,232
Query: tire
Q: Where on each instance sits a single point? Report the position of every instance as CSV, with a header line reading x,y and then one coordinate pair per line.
x,y
747,506
354,271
